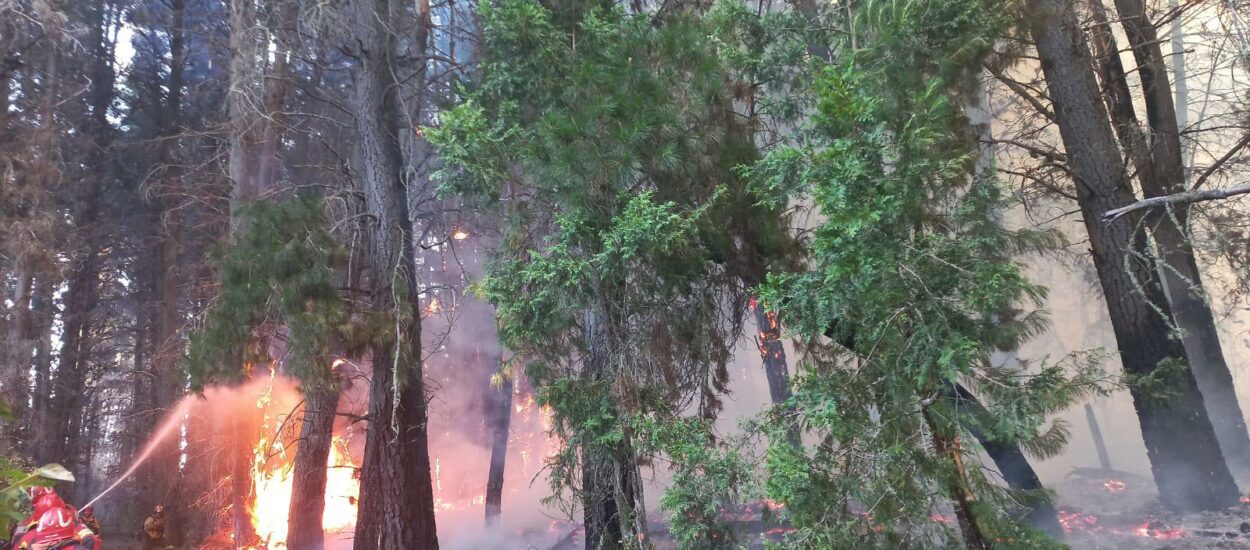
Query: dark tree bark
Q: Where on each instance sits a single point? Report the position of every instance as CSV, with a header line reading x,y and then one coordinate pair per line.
x,y
1011,461
240,459
498,420
611,489
1185,456
165,383
397,495
14,378
69,382
773,353
1181,277
308,486
257,103
44,308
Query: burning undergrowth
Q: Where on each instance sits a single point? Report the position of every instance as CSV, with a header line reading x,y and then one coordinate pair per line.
x,y
1108,509
271,408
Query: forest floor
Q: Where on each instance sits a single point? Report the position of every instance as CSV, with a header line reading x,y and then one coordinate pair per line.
x,y
1114,510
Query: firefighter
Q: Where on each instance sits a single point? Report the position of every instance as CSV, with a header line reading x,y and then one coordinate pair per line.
x,y
59,528
154,530
87,517
42,499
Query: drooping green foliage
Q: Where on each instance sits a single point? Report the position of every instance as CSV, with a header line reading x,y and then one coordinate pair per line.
x,y
277,272
612,141
912,264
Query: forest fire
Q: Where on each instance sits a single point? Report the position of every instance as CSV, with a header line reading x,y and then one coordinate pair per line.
x,y
273,485
272,467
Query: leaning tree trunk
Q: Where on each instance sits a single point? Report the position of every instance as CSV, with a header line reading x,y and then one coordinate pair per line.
x,y
397,494
946,445
1184,454
1181,277
308,485
1015,469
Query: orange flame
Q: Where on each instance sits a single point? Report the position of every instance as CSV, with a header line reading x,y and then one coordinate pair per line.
x,y
1114,485
273,482
434,307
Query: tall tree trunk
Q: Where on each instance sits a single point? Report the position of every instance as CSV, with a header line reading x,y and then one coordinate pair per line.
x,y
241,439
1184,454
166,382
308,485
69,382
45,310
397,496
14,376
1181,277
257,103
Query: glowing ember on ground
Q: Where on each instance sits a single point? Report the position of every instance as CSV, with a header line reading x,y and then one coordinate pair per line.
x,y
1114,485
459,235
1245,500
1076,522
940,518
773,505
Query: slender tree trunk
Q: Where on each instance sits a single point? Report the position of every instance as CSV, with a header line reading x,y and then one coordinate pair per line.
x,y
946,444
397,496
1184,454
37,425
241,439
498,419
308,485
14,378
773,354
166,383
69,386
1182,278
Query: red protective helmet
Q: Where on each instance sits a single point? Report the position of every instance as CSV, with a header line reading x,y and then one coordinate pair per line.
x,y
44,499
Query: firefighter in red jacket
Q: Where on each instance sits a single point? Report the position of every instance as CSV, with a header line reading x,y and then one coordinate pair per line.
x,y
42,499
59,528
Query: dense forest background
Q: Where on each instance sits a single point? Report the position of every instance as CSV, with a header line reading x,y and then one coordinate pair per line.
x,y
867,273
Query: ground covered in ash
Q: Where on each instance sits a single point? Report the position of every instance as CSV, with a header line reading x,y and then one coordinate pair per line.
x,y
1107,509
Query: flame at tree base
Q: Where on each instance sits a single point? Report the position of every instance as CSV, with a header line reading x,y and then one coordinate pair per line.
x,y
270,507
